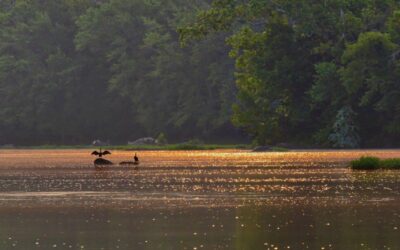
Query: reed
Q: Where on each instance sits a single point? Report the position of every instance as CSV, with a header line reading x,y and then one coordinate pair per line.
x,y
365,163
371,163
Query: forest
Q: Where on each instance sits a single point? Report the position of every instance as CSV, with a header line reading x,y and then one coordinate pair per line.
x,y
308,73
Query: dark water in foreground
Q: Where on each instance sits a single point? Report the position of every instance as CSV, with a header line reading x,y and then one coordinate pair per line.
x,y
197,200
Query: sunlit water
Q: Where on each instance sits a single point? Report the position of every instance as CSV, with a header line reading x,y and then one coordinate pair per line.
x,y
55,199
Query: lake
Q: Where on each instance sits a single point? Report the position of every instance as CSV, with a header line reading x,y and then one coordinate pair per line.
x,y
222,199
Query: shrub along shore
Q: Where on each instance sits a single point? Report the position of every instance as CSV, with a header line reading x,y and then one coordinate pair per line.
x,y
178,146
371,163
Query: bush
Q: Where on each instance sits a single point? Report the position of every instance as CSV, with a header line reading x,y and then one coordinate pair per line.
x,y
366,163
393,163
194,142
187,146
161,139
279,149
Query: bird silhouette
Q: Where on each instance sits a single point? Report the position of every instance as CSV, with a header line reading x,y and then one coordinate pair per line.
x,y
136,158
135,162
101,153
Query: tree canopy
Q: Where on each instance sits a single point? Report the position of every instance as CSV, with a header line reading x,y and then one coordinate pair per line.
x,y
322,73
75,70
313,72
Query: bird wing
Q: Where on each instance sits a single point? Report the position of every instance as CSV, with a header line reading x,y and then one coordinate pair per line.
x,y
106,152
95,153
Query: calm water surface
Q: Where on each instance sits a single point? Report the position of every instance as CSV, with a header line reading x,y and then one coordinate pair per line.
x,y
225,199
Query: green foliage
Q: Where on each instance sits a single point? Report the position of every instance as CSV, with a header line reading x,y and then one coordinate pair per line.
x,y
181,146
161,139
170,87
327,80
370,75
279,149
73,71
370,163
367,65
189,146
365,163
298,63
393,163
267,82
76,70
345,133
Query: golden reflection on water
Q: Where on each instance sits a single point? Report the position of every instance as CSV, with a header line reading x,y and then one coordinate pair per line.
x,y
195,178
52,158
223,199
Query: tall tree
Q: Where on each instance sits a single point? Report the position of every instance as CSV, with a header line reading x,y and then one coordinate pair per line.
x,y
173,89
294,64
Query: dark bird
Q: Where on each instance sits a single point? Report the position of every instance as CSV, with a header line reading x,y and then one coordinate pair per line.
x,y
135,162
101,153
136,158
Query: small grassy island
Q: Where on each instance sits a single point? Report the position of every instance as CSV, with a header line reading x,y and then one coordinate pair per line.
x,y
371,163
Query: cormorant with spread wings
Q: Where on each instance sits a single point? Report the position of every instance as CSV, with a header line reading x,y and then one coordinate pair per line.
x,y
101,153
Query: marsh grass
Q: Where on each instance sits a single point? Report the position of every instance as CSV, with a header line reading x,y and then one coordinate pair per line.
x,y
371,163
366,163
393,163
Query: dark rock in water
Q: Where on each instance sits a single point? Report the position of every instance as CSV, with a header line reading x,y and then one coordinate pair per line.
x,y
99,143
144,141
262,149
101,161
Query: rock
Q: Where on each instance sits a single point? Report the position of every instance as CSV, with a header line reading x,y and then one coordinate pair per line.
x,y
262,149
99,143
144,141
102,162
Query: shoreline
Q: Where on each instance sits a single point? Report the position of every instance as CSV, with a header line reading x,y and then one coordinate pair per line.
x,y
171,147
183,147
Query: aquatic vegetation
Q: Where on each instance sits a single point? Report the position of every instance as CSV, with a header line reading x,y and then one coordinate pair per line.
x,y
393,163
368,163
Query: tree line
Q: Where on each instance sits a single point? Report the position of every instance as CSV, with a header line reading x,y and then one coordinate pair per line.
x,y
72,71
315,72
323,73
